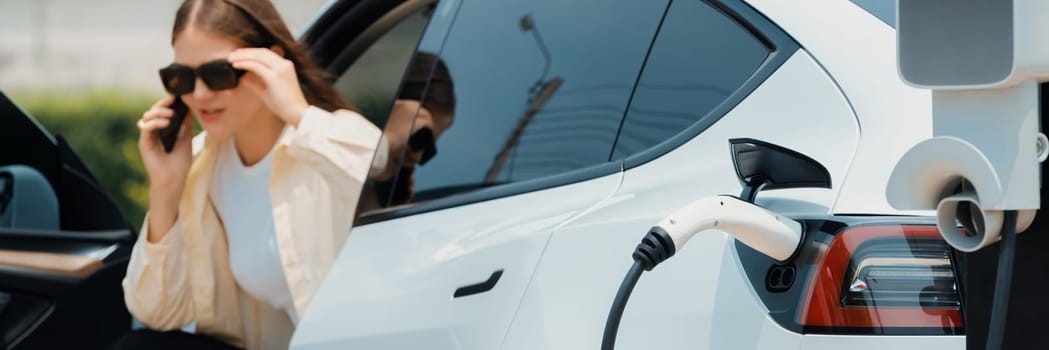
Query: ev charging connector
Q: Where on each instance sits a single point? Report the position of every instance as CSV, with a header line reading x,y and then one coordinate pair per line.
x,y
766,231
759,166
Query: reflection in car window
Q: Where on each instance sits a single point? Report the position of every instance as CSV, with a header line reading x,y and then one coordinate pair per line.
x,y
540,87
424,109
371,82
699,59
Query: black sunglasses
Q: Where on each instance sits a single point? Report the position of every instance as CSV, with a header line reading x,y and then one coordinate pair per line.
x,y
424,141
218,75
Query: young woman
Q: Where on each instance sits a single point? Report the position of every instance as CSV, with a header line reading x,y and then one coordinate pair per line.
x,y
245,219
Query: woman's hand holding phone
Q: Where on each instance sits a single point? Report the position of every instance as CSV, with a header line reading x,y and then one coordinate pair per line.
x,y
167,171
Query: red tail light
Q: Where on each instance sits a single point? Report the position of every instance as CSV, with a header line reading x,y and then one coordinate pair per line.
x,y
880,277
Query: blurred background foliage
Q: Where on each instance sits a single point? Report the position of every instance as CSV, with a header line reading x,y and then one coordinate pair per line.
x,y
88,69
100,126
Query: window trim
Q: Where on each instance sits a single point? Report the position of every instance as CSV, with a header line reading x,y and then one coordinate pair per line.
x,y
490,193
781,47
375,31
338,27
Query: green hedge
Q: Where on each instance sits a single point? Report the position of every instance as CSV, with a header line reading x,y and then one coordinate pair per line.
x,y
100,126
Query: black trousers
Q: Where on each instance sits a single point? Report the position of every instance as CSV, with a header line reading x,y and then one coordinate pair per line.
x,y
150,339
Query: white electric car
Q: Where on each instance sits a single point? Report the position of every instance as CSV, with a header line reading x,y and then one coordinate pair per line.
x,y
558,133
578,125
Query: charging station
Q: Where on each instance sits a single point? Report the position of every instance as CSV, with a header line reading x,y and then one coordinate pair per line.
x,y
984,62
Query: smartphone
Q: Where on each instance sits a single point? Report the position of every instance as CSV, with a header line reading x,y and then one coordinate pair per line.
x,y
169,134
424,141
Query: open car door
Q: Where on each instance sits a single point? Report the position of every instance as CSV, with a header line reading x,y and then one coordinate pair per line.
x,y
64,245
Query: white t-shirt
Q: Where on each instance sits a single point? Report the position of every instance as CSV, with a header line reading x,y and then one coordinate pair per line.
x,y
242,197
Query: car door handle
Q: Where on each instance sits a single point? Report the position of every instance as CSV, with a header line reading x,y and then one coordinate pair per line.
x,y
479,288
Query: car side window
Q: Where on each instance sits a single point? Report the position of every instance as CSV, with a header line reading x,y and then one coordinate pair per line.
x,y
700,57
537,88
370,83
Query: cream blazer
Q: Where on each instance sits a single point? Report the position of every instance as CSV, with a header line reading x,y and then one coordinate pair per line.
x,y
319,168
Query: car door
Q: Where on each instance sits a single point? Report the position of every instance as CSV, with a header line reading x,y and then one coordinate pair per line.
x,y
538,91
64,245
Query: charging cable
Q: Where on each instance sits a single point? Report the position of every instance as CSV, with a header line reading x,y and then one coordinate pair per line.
x,y
1003,282
770,233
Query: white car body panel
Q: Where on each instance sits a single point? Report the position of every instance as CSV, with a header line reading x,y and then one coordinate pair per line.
x,y
860,54
710,309
392,285
838,342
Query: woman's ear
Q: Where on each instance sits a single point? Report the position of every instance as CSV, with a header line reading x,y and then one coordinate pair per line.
x,y
278,50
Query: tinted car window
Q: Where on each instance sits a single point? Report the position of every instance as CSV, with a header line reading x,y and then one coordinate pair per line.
x,y
700,57
540,88
371,82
